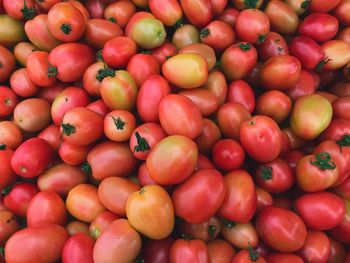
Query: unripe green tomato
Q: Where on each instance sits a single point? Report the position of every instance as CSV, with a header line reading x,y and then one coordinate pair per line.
x,y
149,33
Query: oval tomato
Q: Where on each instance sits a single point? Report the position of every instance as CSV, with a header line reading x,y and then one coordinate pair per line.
x,y
118,51
316,247
186,251
8,224
218,34
209,136
78,248
141,66
228,154
22,85
192,9
241,92
185,35
101,223
119,12
273,45
241,236
220,251
7,63
8,99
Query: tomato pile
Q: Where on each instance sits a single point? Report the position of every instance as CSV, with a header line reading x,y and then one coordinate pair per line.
x,y
174,131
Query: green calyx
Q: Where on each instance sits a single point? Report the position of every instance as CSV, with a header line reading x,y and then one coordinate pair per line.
x,y
205,32
142,144
261,38
211,231
142,191
2,146
99,56
250,3
66,28
323,161
52,71
253,255
245,47
112,19
266,172
68,129
178,23
320,65
86,168
118,122
344,141
104,72
305,4
28,13
95,233
228,223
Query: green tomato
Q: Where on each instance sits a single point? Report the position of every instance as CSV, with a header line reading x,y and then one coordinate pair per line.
x,y
149,33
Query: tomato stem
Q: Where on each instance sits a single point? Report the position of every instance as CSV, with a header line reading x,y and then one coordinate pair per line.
x,y
6,190
178,23
104,72
52,71
118,122
261,38
99,56
28,13
228,223
266,172
66,28
112,19
86,168
253,255
211,231
142,144
245,47
2,252
205,32
68,128
250,3
323,161
320,65
344,141
305,4
2,146
95,232
142,191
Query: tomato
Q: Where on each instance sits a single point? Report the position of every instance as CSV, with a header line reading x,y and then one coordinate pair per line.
x,y
238,60
163,52
69,98
273,45
189,120
45,241
20,10
186,251
228,154
81,126
143,175
341,232
119,12
119,92
7,63
118,125
229,16
118,51
320,211
156,251
71,60
78,248
61,178
168,12
185,35
19,197
241,236
136,17
186,71
38,32
241,195
119,243
217,85
305,86
46,207
101,223
31,158
218,6
8,100
49,94
8,175
316,247
181,155
83,203
220,251
264,199
148,33
99,31
22,50
99,107
201,49
281,229
198,186
198,12
341,12
103,157
9,225
144,138
284,258
10,134
241,92
22,85
46,4
252,25
66,22
206,231
141,66
75,227
93,77
72,154
283,18
209,136
336,130
319,27
218,34
11,31
336,54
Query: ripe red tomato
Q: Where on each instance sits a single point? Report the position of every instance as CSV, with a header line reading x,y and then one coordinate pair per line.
x,y
8,224
316,247
245,256
198,12
22,85
101,223
228,154
7,63
209,230
220,251
209,136
119,12
78,248
241,92
8,100
20,10
169,11
189,251
263,198
218,34
157,251
141,66
118,51
305,86
284,258
72,154
10,135
8,175
118,125
273,45
341,12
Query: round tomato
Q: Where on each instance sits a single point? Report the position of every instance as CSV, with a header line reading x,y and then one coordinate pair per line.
x,y
101,223
273,45
10,134
218,34
118,51
8,100
228,154
220,251
118,12
118,125
185,35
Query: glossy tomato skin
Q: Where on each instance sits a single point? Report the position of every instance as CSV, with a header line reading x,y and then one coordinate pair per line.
x,y
46,207
7,172
22,84
240,235
228,154
71,60
120,11
45,241
32,158
238,60
136,17
340,106
78,248
206,231
164,51
207,202
273,45
341,232
284,258
69,98
319,27
93,76
242,198
186,251
337,54
243,256
189,121
341,11
316,247
185,35
305,86
218,34
321,210
192,9
7,62
10,135
118,51
209,136
220,251
336,129
103,157
72,154
12,31
9,226
141,66
18,199
337,253
217,85
8,99
181,154
169,12
118,125
307,51
281,229
81,126
101,223
261,132
241,92
22,50
201,49
119,243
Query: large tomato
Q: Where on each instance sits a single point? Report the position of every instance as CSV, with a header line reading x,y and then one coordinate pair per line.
x,y
316,247
78,248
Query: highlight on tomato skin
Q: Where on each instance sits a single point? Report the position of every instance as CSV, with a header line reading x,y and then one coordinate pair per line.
x,y
190,131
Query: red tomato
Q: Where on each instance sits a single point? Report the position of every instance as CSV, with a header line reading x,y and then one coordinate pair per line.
x,y
20,10
118,51
336,130
101,223
45,241
198,12
316,247
8,100
320,211
197,188
141,66
281,229
136,17
241,195
263,198
164,51
9,226
283,258
341,12
169,11
209,136
119,12
209,230
49,94
217,85
72,154
99,107
261,138
172,160
71,60
93,77
228,154
46,207
273,45
10,135
189,251
241,92
229,16
8,175
305,86
78,248
319,27
245,256
118,125
31,158
22,85
201,49
218,34
19,197
156,251
220,251
7,63
337,253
